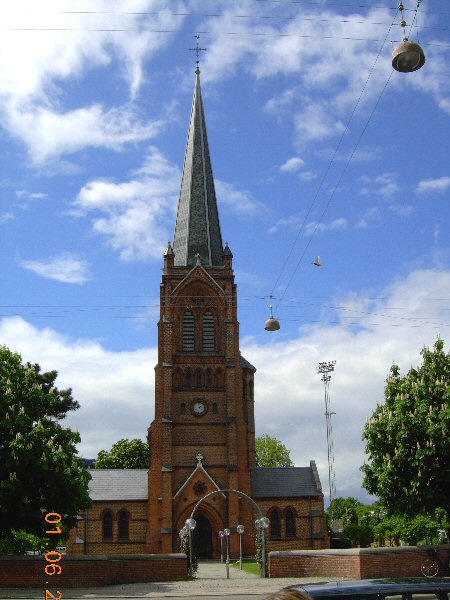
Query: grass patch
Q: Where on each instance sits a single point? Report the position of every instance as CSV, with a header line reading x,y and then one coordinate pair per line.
x,y
249,566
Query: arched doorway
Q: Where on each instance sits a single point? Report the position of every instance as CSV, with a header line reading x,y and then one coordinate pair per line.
x,y
202,538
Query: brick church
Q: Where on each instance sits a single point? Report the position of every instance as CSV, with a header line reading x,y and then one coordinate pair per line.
x,y
202,438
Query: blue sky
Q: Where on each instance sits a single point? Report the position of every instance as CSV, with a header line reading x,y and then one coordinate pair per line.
x,y
318,148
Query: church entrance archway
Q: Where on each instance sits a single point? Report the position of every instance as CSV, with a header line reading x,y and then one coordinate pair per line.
x,y
202,538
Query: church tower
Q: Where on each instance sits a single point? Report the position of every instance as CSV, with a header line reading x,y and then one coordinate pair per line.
x,y
202,438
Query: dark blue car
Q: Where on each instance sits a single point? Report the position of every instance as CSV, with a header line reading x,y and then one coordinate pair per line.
x,y
378,589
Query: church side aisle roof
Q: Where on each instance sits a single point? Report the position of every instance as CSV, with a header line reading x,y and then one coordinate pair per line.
x,y
118,484
197,228
283,482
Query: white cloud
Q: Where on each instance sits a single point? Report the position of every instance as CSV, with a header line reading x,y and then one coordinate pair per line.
x,y
321,54
116,388
67,268
289,396
35,64
5,217
383,185
316,227
31,195
134,216
239,201
292,165
441,184
49,134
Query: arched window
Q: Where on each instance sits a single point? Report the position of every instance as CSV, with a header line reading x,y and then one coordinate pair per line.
x,y
188,379
219,378
107,525
198,378
215,408
183,408
275,528
290,523
123,525
178,378
188,332
209,378
209,344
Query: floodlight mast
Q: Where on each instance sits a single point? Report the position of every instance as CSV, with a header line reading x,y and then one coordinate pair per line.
x,y
325,368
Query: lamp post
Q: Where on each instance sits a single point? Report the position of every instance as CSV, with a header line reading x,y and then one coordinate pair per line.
x,y
182,535
240,530
190,525
221,534
226,533
263,524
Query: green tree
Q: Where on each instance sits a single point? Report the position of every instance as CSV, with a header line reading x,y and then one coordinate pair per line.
x,y
359,535
407,438
345,509
270,452
124,454
39,468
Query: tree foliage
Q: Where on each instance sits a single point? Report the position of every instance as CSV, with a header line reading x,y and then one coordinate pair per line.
x,y
421,529
270,452
124,454
345,509
407,438
359,535
39,468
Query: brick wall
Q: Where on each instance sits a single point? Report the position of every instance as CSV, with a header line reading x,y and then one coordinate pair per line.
x,y
87,571
354,563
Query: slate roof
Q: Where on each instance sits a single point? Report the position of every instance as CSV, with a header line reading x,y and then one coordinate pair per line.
x,y
245,364
197,228
285,482
118,484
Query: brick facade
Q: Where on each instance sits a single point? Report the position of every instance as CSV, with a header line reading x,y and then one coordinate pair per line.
x,y
223,432
88,536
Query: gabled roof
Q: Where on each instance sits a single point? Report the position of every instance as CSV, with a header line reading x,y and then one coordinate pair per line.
x,y
118,484
202,272
198,469
284,482
197,228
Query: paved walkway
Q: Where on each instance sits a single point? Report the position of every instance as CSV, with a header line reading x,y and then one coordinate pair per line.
x,y
210,581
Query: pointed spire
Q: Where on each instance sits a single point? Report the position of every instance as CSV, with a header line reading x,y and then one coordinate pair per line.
x,y
197,229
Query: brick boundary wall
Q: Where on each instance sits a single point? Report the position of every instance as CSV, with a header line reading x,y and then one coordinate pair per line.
x,y
354,563
87,571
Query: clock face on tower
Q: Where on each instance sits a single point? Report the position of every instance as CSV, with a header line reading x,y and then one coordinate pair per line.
x,y
199,407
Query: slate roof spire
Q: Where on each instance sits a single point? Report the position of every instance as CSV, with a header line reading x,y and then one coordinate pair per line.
x,y
197,228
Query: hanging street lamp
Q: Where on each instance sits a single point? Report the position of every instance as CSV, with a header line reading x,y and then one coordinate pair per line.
x,y
271,324
408,56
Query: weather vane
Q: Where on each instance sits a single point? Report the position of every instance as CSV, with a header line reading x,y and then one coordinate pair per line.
x,y
197,49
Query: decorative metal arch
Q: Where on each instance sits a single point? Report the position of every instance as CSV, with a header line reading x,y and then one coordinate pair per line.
x,y
258,511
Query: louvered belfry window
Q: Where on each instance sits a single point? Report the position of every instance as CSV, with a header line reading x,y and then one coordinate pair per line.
x,y
188,332
208,333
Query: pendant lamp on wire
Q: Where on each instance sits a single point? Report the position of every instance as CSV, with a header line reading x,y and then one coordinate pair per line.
x,y
408,56
271,324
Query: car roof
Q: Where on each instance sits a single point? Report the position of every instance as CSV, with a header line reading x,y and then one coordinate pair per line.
x,y
369,587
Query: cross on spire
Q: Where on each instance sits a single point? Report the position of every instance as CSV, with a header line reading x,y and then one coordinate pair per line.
x,y
199,458
197,50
